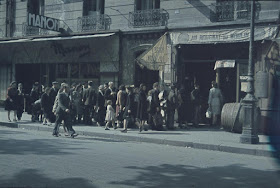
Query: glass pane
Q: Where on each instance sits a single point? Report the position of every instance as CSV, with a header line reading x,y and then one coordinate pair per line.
x,y
62,70
74,71
90,70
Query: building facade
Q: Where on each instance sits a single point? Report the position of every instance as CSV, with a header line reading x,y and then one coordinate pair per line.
x,y
102,40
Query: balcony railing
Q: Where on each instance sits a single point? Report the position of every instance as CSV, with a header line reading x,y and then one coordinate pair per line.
x,y
94,23
148,18
233,10
31,31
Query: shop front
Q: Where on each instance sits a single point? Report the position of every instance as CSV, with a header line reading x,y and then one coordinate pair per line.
x,y
70,59
220,56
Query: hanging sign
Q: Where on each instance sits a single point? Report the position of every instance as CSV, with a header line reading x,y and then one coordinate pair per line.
x,y
43,22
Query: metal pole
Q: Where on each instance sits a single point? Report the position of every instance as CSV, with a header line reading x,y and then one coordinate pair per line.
x,y
249,131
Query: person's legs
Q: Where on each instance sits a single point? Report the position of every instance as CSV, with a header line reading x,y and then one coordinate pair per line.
x,y
9,112
58,121
15,115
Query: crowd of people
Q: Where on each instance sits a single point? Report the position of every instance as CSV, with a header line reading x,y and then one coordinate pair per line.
x,y
109,107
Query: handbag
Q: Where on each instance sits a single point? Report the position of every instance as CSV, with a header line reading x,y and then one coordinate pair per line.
x,y
208,113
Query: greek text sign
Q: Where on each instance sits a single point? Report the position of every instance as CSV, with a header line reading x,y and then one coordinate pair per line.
x,y
43,22
222,36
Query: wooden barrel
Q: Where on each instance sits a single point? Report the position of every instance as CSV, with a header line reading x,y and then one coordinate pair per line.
x,y
230,117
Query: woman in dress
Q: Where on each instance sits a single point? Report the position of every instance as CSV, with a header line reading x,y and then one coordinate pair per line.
x,y
142,106
120,104
46,106
11,100
20,101
215,101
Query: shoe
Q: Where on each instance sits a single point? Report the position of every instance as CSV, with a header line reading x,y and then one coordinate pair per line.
x,y
74,135
124,131
55,135
66,134
107,128
9,120
44,123
14,119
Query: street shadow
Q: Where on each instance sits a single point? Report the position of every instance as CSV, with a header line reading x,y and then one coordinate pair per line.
x,y
163,133
167,175
33,178
52,146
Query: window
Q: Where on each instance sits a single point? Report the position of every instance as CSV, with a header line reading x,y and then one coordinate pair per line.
x,y
93,7
147,4
35,6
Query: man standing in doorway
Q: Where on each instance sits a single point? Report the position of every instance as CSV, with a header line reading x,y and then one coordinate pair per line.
x,y
196,101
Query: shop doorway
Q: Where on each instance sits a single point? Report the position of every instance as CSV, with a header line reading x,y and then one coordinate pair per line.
x,y
144,75
201,73
28,74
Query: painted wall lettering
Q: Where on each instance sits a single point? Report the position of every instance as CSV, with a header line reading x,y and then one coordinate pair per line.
x,y
83,50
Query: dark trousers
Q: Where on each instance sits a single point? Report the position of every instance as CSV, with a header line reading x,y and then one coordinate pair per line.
x,y
197,115
170,118
67,122
87,114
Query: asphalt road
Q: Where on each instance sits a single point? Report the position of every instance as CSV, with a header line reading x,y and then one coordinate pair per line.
x,y
36,159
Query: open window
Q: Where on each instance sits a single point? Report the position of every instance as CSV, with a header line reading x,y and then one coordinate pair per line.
x,y
147,4
93,7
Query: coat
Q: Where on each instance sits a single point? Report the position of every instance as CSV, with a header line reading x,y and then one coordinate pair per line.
x,y
63,103
89,97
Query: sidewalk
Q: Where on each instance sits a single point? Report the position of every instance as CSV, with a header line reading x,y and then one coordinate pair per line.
x,y
199,138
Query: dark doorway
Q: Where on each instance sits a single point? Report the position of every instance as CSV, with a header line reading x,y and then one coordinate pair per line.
x,y
28,74
145,76
227,84
201,73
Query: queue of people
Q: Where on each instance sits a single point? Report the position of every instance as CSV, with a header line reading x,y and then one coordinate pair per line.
x,y
127,106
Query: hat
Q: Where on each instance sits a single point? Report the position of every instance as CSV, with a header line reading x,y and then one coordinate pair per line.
x,y
55,82
13,82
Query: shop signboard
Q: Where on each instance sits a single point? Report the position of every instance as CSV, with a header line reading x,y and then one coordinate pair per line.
x,y
222,36
43,22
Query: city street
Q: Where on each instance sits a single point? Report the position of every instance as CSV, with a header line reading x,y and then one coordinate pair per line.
x,y
36,159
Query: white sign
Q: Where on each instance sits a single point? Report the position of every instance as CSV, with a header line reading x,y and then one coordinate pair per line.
x,y
224,64
43,22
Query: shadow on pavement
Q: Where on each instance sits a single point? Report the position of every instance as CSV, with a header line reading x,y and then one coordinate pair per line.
x,y
167,175
32,178
34,146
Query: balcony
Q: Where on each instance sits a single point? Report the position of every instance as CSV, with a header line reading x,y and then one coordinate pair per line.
x,y
148,18
232,11
31,31
94,23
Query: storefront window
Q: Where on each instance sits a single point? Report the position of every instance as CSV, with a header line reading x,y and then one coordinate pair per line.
x,y
74,71
62,70
90,70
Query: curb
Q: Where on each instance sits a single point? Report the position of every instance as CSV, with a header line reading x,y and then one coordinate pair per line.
x,y
124,138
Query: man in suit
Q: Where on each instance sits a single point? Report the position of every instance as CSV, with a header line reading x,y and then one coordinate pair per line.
x,y
63,112
89,100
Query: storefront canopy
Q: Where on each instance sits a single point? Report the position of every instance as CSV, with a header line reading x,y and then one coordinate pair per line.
x,y
222,36
56,38
155,57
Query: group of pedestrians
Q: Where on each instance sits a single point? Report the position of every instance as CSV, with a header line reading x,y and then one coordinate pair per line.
x,y
127,106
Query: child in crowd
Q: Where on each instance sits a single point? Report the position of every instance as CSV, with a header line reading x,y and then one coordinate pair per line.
x,y
110,115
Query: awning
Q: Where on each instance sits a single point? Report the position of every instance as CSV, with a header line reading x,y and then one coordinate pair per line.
x,y
222,36
224,64
57,38
155,57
